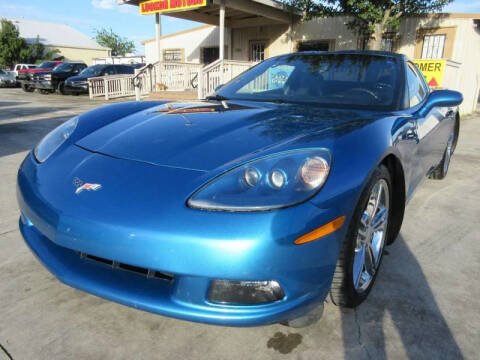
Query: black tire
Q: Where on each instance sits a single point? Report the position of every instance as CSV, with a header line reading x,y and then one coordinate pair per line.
x,y
61,87
27,88
441,170
343,292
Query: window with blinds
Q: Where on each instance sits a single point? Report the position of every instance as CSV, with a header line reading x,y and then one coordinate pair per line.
x,y
433,46
257,51
173,55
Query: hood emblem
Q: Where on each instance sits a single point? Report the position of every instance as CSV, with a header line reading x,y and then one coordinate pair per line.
x,y
80,186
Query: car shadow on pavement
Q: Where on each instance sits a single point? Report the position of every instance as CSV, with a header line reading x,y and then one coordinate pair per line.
x,y
12,103
24,135
400,308
15,112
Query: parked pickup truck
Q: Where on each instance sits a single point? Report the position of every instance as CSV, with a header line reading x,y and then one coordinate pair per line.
x,y
50,81
25,76
19,67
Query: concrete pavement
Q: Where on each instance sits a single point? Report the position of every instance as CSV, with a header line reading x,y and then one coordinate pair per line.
x,y
425,303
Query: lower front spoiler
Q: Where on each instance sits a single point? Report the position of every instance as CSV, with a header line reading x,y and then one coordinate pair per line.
x,y
157,295
75,89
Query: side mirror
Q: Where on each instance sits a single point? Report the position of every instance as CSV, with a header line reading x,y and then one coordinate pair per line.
x,y
218,87
441,98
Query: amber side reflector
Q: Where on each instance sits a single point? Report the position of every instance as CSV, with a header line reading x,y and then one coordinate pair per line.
x,y
322,231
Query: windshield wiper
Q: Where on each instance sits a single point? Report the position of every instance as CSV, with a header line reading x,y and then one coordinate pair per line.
x,y
216,97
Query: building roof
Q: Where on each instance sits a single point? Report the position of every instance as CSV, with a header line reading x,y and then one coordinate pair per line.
x,y
54,34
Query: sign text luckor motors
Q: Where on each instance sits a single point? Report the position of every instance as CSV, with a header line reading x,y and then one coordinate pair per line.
x,y
163,6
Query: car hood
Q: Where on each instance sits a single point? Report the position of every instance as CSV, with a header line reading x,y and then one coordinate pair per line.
x,y
6,76
207,135
77,78
33,71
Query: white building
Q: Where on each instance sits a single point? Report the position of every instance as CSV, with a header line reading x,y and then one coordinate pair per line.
x,y
197,45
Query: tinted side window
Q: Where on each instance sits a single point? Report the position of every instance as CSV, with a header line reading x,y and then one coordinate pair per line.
x,y
124,69
110,70
416,89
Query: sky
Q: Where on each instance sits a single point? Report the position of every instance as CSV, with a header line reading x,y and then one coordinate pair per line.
x,y
88,15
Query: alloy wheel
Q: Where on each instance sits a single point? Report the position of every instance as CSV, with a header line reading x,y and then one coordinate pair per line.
x,y
371,236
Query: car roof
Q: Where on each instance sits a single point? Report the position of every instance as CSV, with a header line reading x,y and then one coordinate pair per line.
x,y
352,52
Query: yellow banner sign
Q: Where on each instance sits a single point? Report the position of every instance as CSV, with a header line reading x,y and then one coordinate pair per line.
x,y
164,6
432,70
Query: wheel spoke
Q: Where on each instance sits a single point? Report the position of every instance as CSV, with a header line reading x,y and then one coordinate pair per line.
x,y
376,247
380,220
358,264
377,193
369,260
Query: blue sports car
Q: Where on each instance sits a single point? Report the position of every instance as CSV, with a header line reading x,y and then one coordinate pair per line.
x,y
250,207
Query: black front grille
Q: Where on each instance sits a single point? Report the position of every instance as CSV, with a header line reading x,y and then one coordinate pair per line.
x,y
122,266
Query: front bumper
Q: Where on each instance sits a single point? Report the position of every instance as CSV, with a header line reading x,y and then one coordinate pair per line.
x,y
76,89
194,246
43,84
7,83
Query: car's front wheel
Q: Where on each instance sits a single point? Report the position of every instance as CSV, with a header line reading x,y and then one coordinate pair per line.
x,y
61,88
27,88
362,249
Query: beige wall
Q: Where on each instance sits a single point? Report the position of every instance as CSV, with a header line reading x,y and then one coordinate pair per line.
x,y
276,37
78,54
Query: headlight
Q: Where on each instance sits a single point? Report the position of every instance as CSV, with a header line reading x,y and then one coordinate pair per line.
x,y
48,77
54,139
272,182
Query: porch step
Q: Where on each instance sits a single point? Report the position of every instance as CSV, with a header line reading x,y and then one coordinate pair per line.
x,y
172,95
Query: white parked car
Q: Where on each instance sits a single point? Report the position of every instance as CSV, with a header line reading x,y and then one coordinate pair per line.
x,y
22,67
7,78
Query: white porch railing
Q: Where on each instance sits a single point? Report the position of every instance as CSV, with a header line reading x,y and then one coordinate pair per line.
x,y
219,72
168,76
176,76
112,86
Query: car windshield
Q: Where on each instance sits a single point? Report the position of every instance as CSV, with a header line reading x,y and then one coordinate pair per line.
x,y
63,67
2,72
92,71
46,64
338,80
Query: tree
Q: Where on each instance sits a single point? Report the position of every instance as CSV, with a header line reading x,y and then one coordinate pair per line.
x,y
11,44
370,18
33,52
120,46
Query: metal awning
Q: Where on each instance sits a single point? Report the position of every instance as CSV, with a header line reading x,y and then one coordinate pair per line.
x,y
238,13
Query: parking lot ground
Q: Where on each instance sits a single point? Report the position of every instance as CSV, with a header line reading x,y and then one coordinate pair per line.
x,y
424,305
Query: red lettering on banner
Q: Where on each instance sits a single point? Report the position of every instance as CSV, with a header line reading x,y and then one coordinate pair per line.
x,y
165,5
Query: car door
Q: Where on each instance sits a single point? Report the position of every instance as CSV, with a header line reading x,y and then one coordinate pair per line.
x,y
430,130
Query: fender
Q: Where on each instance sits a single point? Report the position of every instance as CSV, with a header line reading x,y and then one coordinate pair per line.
x,y
97,118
